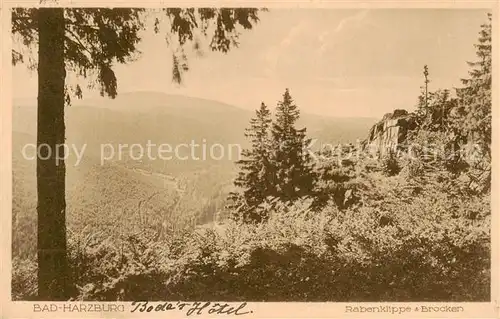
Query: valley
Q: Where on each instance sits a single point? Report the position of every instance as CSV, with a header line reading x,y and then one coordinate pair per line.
x,y
126,194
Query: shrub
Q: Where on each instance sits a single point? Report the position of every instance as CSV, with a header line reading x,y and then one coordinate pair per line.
x,y
420,252
390,165
24,284
396,244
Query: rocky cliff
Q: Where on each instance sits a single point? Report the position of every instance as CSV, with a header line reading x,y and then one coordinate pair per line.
x,y
390,132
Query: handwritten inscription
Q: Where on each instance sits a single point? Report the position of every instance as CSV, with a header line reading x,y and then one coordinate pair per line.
x,y
192,308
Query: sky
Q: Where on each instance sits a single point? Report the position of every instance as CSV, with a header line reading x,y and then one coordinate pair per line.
x,y
336,62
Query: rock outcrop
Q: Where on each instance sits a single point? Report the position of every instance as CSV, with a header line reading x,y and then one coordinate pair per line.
x,y
390,132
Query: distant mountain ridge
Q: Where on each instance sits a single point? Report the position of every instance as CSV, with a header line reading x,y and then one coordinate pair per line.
x,y
177,116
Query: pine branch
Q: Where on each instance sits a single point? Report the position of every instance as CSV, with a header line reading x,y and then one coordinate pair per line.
x,y
78,42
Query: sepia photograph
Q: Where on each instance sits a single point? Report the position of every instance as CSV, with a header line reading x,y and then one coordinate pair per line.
x,y
251,154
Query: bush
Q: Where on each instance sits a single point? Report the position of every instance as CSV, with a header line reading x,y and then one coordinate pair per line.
x,y
390,165
24,284
131,268
419,252
406,240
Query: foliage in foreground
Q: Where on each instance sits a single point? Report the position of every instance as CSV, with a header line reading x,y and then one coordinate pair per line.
x,y
434,247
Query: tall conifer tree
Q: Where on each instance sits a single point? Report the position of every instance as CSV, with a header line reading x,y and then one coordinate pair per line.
x,y
89,42
475,97
294,175
256,178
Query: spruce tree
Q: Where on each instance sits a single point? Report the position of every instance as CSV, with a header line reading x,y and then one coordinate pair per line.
x,y
294,175
85,42
255,179
89,42
475,96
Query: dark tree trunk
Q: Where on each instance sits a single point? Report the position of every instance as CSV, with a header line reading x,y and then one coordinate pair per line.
x,y
53,280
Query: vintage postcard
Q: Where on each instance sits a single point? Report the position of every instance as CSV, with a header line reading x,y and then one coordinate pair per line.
x,y
254,159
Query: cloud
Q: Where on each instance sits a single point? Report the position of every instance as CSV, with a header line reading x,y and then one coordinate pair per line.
x,y
315,33
273,54
356,18
294,33
310,36
327,38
